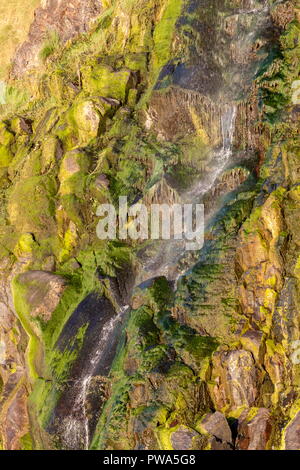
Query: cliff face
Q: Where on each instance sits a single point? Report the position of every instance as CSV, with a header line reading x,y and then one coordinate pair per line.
x,y
124,345
56,21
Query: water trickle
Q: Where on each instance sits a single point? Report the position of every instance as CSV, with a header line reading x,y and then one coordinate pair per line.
x,y
75,432
220,157
168,253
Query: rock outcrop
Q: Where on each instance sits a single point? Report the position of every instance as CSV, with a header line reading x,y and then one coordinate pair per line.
x,y
65,18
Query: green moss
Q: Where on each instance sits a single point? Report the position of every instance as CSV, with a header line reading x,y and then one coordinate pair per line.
x,y
26,244
26,442
34,348
114,416
251,223
104,81
5,156
6,146
161,293
47,391
163,34
73,172
61,361
16,99
35,217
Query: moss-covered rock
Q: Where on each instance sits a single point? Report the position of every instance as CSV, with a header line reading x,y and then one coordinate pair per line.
x,y
102,80
6,146
31,204
73,172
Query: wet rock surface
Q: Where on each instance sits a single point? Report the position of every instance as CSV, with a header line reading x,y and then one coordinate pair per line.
x,y
102,330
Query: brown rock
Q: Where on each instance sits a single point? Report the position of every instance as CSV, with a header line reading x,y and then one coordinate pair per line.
x,y
102,181
182,438
283,14
16,420
278,367
251,340
235,378
43,292
254,429
292,434
216,425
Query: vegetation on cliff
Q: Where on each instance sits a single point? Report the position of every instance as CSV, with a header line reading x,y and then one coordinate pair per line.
x,y
134,105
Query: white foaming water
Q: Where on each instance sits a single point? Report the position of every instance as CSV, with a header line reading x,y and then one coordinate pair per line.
x,y
253,9
75,427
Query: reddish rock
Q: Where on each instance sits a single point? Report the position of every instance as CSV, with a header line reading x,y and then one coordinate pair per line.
x,y
254,432
16,420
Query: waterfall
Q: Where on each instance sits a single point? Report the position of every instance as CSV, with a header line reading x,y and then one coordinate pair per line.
x,y
75,427
227,126
220,157
164,259
165,262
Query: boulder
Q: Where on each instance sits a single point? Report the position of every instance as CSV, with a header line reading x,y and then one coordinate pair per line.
x,y
217,426
42,292
254,429
182,438
235,379
74,167
102,80
292,434
252,340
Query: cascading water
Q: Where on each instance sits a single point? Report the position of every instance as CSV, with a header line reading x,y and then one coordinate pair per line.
x,y
75,432
220,157
74,427
166,260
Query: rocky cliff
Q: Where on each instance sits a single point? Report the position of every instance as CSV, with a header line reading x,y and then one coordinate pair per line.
x,y
132,345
